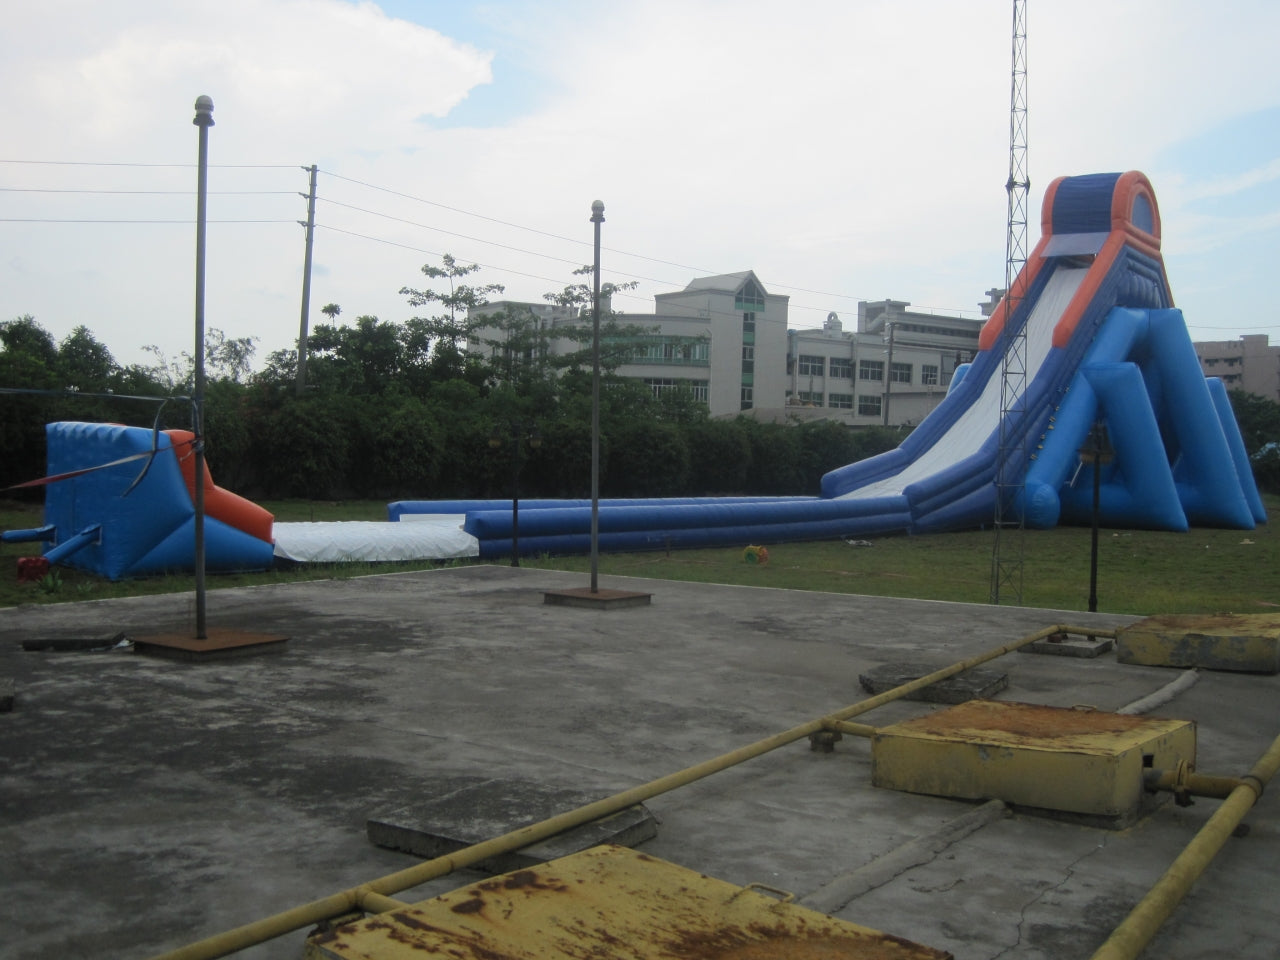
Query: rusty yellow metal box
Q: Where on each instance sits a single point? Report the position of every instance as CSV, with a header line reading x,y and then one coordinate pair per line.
x,y
1245,643
609,903
1077,761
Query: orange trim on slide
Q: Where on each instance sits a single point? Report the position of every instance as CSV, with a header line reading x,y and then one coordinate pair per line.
x,y
231,509
994,326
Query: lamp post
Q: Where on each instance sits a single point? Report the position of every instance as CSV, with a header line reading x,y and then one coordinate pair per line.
x,y
597,218
521,433
203,120
1097,451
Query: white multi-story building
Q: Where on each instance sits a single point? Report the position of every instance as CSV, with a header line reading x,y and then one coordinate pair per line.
x,y
1250,364
725,339
892,370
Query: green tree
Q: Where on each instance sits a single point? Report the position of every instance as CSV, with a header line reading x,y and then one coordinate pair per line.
x,y
362,359
775,458
1257,417
398,445
28,361
647,459
719,457
442,338
84,363
824,445
225,358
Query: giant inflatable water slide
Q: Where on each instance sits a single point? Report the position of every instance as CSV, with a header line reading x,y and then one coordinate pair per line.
x,y
1095,334
1102,343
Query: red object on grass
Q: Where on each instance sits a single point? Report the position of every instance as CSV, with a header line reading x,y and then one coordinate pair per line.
x,y
32,569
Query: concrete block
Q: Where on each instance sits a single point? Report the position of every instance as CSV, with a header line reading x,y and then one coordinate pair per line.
x,y
600,600
1232,642
467,816
1068,645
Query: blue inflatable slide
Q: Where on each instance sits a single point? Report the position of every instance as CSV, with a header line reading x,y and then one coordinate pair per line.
x,y
1103,344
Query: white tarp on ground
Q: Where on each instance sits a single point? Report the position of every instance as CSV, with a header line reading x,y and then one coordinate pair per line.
x,y
436,537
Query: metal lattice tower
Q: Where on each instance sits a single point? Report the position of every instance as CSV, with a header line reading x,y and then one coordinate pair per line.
x,y
1009,520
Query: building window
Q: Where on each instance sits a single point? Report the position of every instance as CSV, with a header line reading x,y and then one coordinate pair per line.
x,y
841,401
746,398
810,366
868,405
871,370
680,351
660,385
749,322
900,373
841,367
929,374
810,397
748,358
749,297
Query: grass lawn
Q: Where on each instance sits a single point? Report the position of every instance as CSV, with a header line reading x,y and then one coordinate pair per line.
x,y
1139,572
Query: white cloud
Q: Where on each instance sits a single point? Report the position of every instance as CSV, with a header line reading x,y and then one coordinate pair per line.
x,y
858,148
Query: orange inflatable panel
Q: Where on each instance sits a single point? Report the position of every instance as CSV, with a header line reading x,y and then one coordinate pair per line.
x,y
231,509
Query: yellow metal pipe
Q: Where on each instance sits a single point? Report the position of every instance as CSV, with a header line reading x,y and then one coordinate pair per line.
x,y
1137,929
317,911
853,729
1193,784
372,902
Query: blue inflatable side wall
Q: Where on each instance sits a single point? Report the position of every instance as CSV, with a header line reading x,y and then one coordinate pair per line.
x,y
147,526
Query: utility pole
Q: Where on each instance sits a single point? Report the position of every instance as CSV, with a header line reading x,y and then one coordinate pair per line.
x,y
888,373
310,226
1011,463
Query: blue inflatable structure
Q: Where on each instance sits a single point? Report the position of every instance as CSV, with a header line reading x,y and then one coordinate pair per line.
x,y
1103,344
122,506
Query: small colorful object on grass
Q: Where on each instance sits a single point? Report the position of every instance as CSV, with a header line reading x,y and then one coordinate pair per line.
x,y
32,569
754,554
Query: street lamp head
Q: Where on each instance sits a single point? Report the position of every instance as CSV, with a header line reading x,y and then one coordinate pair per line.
x,y
204,111
597,211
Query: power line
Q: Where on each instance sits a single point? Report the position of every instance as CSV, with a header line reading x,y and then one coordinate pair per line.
x,y
122,163
188,221
699,271
450,233
160,193
618,294
702,271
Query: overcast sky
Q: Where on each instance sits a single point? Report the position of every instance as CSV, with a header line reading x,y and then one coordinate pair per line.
x,y
844,150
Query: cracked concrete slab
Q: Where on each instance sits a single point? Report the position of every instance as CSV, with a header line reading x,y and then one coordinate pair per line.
x,y
146,803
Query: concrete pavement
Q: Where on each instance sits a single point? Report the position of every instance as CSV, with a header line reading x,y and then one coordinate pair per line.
x,y
149,803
